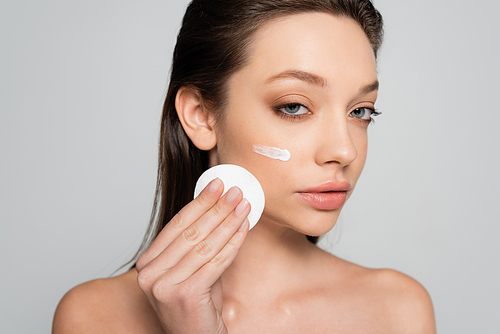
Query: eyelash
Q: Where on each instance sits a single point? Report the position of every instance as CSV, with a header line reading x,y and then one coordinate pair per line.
x,y
279,110
373,113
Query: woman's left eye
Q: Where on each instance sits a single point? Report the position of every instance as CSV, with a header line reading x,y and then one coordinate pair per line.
x,y
293,109
363,113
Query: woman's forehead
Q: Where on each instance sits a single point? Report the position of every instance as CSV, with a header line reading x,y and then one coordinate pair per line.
x,y
320,47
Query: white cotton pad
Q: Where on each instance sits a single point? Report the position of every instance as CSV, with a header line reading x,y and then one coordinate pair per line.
x,y
232,175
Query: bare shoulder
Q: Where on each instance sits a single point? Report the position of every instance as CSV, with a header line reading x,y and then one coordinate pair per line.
x,y
393,296
108,305
407,302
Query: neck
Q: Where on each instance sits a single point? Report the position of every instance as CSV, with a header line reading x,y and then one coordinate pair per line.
x,y
272,254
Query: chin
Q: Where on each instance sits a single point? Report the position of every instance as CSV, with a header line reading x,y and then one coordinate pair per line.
x,y
319,228
314,225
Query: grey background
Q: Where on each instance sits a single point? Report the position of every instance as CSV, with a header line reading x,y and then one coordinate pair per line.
x,y
81,90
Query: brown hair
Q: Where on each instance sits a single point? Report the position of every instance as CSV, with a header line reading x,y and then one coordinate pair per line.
x,y
212,44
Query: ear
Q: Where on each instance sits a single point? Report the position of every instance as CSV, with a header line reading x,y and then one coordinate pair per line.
x,y
195,119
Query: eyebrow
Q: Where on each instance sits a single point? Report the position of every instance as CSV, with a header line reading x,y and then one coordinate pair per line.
x,y
369,88
316,80
300,75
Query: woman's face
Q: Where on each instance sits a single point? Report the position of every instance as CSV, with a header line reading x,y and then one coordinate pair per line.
x,y
309,87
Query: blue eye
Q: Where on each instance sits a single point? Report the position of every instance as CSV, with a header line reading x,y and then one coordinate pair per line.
x,y
293,109
363,113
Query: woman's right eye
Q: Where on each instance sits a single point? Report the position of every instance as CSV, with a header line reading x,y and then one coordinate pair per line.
x,y
293,109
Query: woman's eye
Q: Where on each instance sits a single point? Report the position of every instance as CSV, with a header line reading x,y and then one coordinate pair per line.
x,y
363,113
293,109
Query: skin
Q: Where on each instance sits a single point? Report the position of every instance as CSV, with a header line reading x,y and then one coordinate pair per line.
x,y
205,273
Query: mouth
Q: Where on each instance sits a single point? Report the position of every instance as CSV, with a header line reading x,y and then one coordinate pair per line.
x,y
328,200
328,196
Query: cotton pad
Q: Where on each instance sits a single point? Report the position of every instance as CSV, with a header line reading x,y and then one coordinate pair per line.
x,y
232,175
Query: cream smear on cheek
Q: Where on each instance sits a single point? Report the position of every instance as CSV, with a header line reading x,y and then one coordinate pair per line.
x,y
272,152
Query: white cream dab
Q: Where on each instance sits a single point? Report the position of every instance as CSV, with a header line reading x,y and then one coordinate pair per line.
x,y
272,152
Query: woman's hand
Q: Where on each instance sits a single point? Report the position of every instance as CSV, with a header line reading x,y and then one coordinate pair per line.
x,y
180,272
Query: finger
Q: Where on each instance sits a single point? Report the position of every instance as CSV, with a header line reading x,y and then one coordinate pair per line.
x,y
196,232
207,249
209,273
182,220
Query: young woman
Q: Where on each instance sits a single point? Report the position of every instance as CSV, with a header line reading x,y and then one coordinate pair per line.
x,y
298,75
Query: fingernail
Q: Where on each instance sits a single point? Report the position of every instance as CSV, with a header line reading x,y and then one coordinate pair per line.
x,y
232,194
244,225
241,207
214,185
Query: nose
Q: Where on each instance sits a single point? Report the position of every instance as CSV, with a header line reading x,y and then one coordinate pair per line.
x,y
335,144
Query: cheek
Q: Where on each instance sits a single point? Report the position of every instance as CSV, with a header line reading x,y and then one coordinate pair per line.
x,y
243,134
236,146
360,141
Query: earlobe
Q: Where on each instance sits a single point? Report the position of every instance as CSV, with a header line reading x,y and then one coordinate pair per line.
x,y
195,119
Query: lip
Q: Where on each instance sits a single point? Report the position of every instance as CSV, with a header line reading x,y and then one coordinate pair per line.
x,y
330,195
